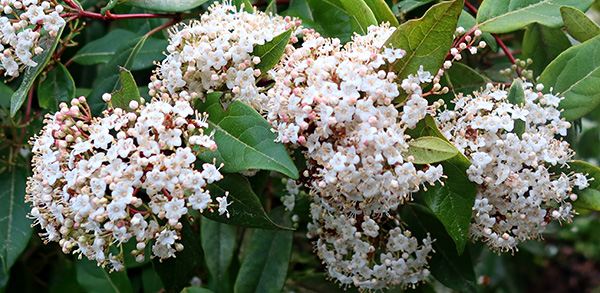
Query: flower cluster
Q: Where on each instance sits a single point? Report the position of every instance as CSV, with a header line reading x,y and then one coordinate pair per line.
x,y
20,29
335,103
128,176
511,148
215,53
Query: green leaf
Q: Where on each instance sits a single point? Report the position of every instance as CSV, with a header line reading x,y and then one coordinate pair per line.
x,y
218,241
579,26
382,12
196,290
104,48
166,5
265,267
588,198
516,96
446,265
333,19
575,74
430,149
270,53
542,44
467,21
507,16
15,227
176,273
426,40
110,5
244,139
245,208
272,7
48,43
5,92
58,86
95,279
128,92
461,78
108,80
151,281
247,5
452,202
361,13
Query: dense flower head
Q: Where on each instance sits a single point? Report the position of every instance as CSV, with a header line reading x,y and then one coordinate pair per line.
x,y
215,53
21,23
512,148
128,176
335,103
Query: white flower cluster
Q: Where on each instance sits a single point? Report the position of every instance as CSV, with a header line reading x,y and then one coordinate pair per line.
x,y
517,193
128,176
20,27
335,103
215,53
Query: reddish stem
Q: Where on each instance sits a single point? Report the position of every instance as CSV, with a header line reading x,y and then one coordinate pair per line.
x,y
470,7
79,13
29,99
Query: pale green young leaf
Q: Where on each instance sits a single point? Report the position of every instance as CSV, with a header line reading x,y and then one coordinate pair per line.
x,y
578,25
382,12
506,16
430,149
270,52
361,13
516,96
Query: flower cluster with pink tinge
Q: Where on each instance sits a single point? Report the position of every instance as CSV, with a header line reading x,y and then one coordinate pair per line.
x,y
127,176
518,194
21,24
215,53
335,103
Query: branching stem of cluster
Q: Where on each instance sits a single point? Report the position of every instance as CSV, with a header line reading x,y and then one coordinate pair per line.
x,y
108,16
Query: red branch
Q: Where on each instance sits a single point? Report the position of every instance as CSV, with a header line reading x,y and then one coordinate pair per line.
x,y
80,13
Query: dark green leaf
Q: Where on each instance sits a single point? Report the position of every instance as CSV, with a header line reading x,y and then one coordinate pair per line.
x,y
516,96
406,6
430,149
382,12
427,39
579,26
461,78
95,279
103,49
166,5
245,209
575,74
270,53
333,19
15,227
361,13
5,93
542,44
151,52
196,290
247,5
176,273
244,139
58,86
111,4
588,198
218,241
109,79
128,92
151,281
265,267
467,21
446,265
507,16
48,43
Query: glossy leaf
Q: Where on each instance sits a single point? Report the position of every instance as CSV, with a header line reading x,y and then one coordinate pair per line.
x,y
451,203
332,19
244,139
128,92
507,16
218,241
382,12
270,52
247,5
57,86
467,21
104,48
461,78
588,198
166,5
48,43
430,149
446,265
516,96
95,279
110,5
265,267
578,25
361,13
575,74
176,273
245,208
15,227
427,39
109,79
542,44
